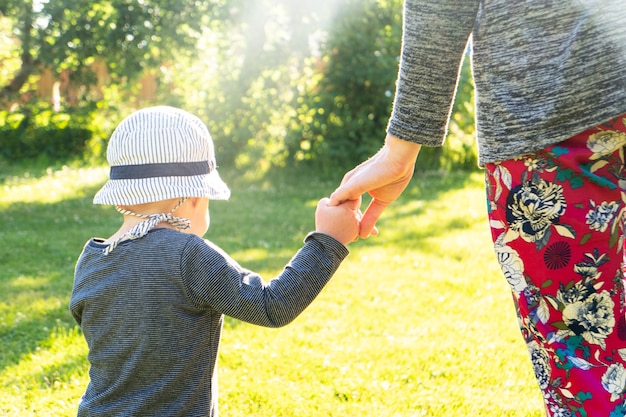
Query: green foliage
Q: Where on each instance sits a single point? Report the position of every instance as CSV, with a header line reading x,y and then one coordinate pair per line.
x,y
281,84
342,119
9,52
271,107
44,132
128,35
247,79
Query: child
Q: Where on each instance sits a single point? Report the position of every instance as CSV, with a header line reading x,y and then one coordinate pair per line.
x,y
151,298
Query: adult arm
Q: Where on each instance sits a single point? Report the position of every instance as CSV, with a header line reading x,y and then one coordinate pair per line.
x,y
433,46
434,43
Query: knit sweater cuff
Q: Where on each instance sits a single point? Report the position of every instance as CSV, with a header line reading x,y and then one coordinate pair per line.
x,y
328,243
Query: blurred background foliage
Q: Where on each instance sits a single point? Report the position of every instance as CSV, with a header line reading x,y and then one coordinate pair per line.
x,y
294,84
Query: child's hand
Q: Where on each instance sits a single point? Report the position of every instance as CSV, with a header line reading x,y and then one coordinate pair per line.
x,y
341,221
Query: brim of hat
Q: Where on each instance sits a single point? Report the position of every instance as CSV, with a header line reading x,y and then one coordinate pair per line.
x,y
148,190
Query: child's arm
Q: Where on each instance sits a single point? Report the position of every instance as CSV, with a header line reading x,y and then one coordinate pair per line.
x,y
215,281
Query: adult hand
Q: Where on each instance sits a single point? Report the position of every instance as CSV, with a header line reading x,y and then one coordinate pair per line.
x,y
384,177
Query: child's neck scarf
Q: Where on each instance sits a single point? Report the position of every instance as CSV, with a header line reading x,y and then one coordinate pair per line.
x,y
152,220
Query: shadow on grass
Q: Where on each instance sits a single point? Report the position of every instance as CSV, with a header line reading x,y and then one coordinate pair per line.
x,y
40,245
32,168
423,198
28,332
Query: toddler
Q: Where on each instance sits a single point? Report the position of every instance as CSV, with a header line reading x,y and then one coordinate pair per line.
x,y
151,298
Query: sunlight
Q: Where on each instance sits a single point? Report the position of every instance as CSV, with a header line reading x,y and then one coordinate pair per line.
x,y
304,23
51,188
52,366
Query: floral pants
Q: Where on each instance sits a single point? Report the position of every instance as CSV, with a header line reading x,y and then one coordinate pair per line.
x,y
557,217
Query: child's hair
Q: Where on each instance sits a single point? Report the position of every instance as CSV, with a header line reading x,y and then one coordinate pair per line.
x,y
161,153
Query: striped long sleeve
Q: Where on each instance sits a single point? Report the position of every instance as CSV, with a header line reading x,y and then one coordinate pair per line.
x,y
152,312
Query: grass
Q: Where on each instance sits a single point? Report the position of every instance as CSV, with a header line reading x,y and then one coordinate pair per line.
x,y
417,322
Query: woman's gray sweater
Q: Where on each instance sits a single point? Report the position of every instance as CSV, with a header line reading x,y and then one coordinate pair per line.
x,y
544,70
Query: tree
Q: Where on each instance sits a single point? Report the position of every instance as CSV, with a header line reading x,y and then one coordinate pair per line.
x,y
128,35
278,82
343,115
250,74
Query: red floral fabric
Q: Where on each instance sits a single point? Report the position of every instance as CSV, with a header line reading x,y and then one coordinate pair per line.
x,y
556,218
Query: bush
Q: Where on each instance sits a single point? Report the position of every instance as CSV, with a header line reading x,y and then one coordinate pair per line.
x,y
341,120
342,114
42,132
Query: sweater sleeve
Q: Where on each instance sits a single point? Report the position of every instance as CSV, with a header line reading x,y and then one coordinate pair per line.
x,y
435,37
215,281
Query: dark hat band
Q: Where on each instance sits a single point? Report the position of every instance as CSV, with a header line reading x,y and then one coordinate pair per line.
x,y
170,169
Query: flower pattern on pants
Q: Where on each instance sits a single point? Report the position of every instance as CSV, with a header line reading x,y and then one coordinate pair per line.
x,y
556,218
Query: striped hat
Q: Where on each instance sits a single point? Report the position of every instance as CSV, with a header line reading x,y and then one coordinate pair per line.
x,y
161,153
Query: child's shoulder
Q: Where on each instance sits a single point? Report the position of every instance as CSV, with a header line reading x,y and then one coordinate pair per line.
x,y
206,251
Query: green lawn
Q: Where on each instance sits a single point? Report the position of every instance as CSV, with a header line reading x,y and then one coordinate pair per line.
x,y
417,322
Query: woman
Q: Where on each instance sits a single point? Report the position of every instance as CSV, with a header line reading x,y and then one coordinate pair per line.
x,y
550,85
